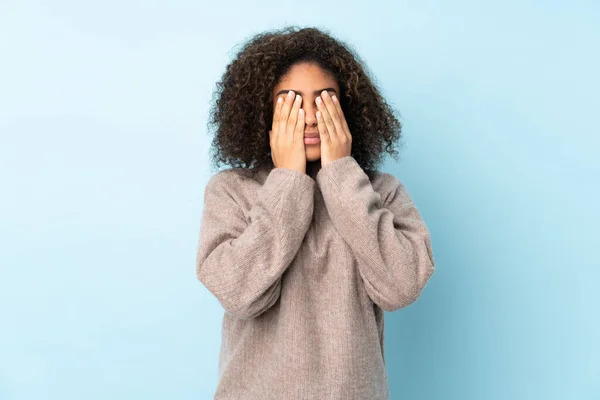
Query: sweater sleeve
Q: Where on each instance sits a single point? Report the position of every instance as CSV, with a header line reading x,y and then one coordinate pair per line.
x,y
241,259
387,237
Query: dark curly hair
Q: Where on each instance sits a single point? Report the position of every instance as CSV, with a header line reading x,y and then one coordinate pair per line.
x,y
243,110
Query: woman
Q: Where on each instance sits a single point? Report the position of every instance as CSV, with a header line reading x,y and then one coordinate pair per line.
x,y
303,242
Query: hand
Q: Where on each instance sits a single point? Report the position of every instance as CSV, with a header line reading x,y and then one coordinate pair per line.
x,y
287,134
336,140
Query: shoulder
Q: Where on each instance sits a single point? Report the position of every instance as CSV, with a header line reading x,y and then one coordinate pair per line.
x,y
387,185
231,181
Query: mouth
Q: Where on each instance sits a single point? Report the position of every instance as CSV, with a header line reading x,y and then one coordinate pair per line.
x,y
311,140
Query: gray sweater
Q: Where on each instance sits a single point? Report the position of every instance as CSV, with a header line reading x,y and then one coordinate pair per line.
x,y
304,267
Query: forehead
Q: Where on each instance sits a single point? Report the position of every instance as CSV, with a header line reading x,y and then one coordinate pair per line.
x,y
306,78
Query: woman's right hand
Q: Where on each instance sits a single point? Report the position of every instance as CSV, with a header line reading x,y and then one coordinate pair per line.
x,y
287,134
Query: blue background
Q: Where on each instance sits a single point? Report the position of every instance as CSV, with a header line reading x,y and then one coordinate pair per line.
x,y
104,159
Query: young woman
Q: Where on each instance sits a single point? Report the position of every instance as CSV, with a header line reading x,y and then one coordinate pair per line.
x,y
303,242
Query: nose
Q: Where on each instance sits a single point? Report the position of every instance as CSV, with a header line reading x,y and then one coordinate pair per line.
x,y
310,113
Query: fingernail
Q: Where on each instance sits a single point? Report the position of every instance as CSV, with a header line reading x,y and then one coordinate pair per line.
x,y
334,98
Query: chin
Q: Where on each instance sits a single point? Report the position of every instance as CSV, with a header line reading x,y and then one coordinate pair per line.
x,y
312,155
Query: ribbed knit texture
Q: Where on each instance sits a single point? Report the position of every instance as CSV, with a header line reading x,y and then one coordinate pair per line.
x,y
304,267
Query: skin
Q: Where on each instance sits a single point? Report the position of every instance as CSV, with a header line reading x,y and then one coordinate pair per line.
x,y
323,113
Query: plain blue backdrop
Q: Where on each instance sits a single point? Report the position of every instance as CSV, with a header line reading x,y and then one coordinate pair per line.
x,y
104,159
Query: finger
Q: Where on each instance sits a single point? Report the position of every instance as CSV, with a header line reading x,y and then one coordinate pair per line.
x,y
271,147
327,120
324,135
340,112
299,134
293,118
333,113
285,111
277,114
328,101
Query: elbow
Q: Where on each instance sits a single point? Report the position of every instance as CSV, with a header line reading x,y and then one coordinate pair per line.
x,y
254,306
403,297
239,302
249,310
407,292
236,306
203,275
412,278
243,313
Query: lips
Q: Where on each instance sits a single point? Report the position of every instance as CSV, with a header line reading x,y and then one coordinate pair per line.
x,y
311,135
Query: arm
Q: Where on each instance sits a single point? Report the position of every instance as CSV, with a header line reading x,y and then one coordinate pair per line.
x,y
388,237
241,262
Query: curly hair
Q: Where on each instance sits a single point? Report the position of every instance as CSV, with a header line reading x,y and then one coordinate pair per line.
x,y
243,110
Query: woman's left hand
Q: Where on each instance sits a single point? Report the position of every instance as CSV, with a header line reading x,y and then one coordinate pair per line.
x,y
336,140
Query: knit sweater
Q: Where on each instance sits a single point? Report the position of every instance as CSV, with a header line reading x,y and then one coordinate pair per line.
x,y
304,267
